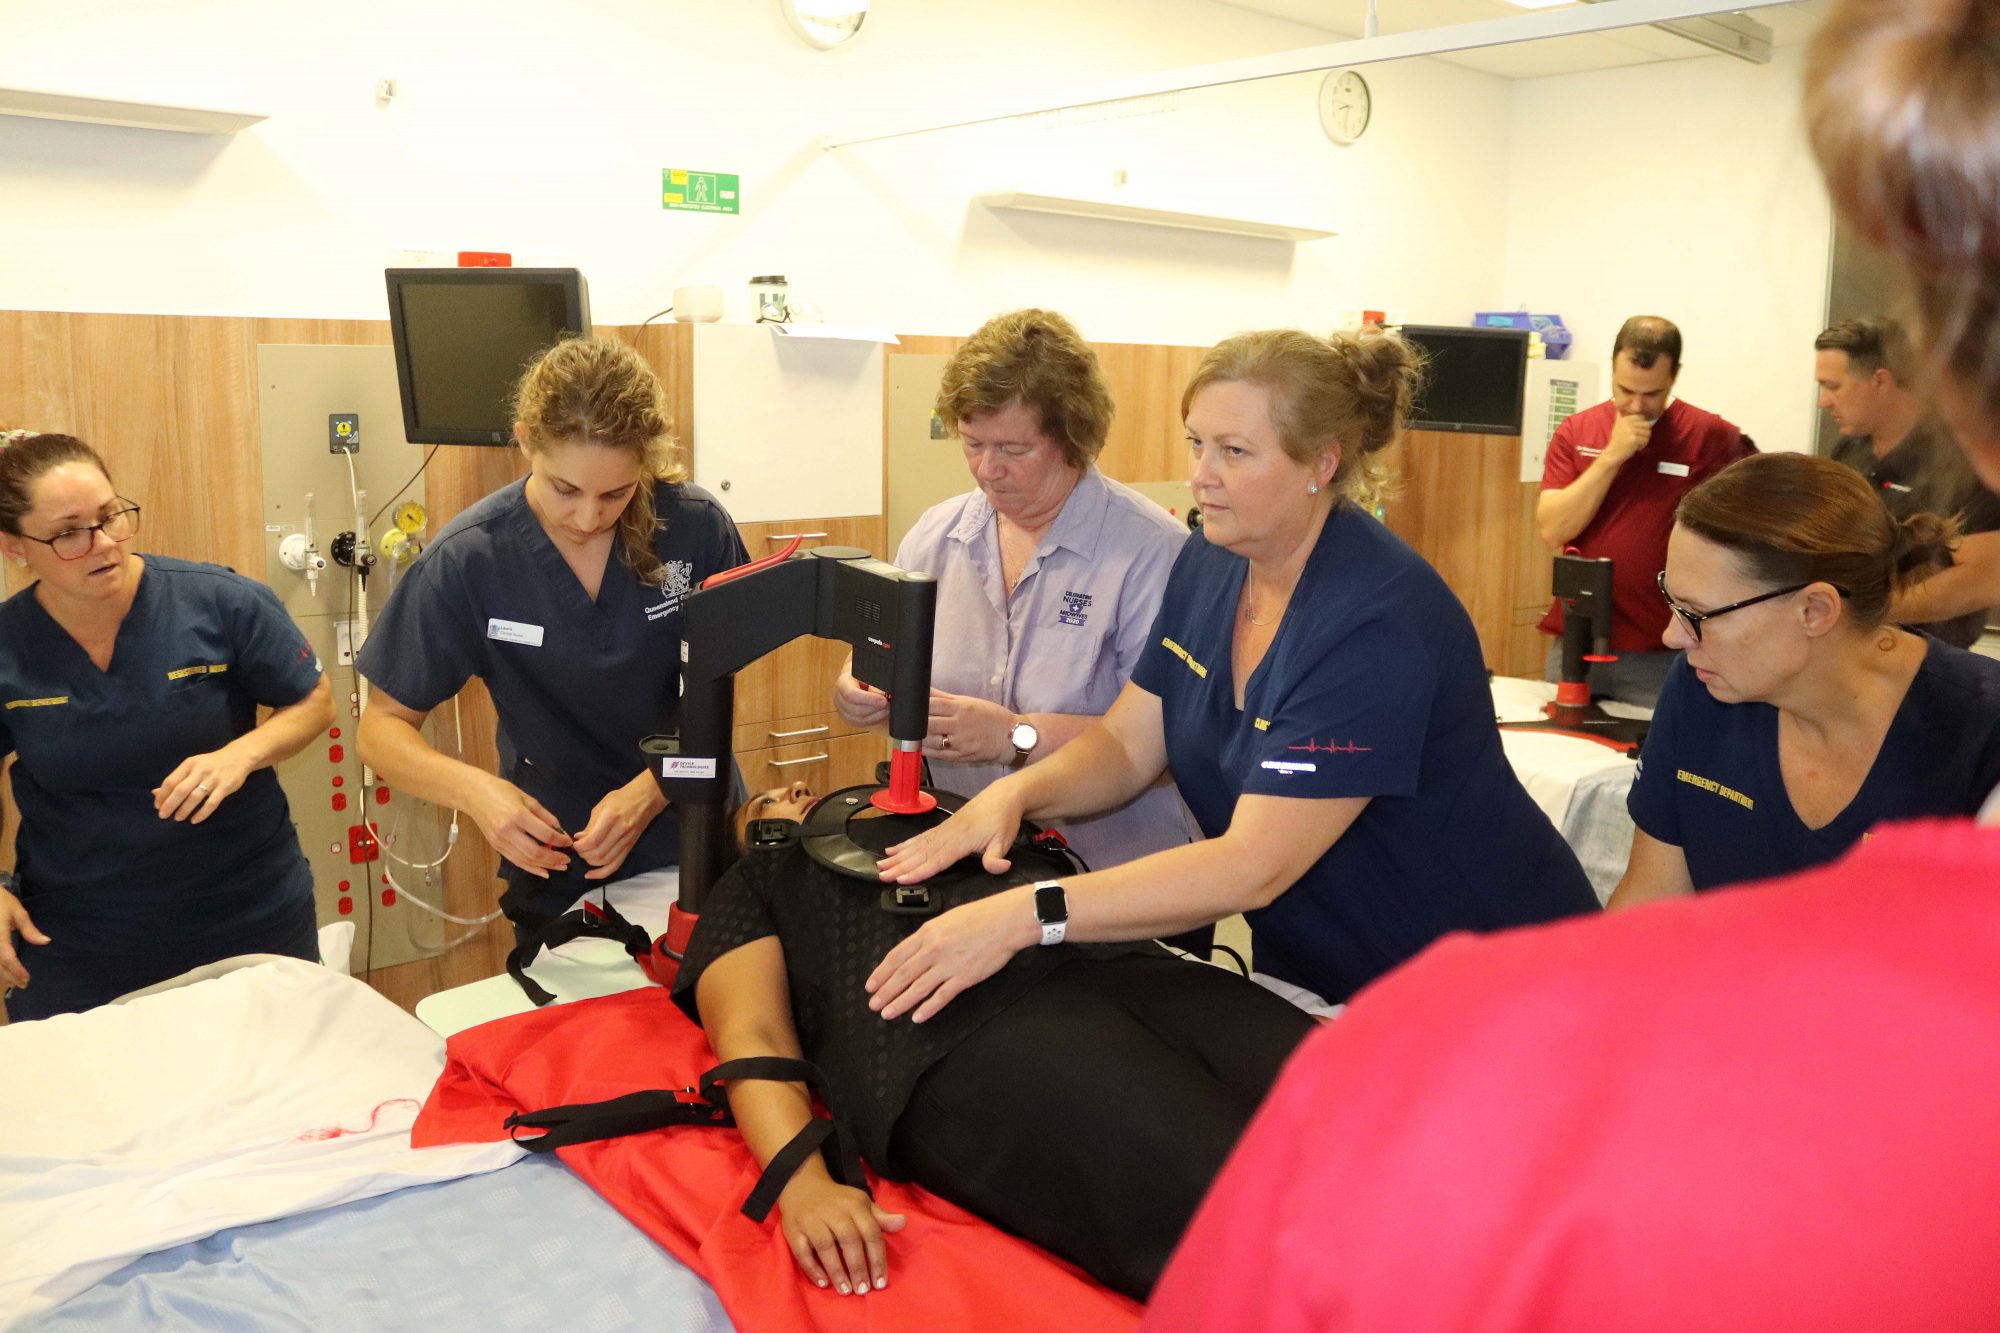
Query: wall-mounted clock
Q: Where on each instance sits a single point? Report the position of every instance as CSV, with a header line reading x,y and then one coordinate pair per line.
x,y
1345,105
825,23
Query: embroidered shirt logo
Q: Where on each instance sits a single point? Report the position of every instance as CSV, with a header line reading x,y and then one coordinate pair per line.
x,y
1710,784
1332,747
1182,653
1076,608
51,701
676,578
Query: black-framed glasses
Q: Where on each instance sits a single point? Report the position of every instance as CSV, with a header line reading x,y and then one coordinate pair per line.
x,y
120,525
1693,618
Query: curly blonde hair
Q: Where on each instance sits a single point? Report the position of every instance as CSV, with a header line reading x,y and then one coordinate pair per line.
x,y
601,391
1038,359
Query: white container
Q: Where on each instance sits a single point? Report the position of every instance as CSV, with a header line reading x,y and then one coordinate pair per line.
x,y
697,305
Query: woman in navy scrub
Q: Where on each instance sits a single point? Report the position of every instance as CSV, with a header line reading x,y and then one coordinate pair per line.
x,y
1315,691
1798,719
562,593
154,837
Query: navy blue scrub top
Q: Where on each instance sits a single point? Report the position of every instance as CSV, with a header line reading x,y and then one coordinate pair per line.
x,y
1709,780
576,683
1373,687
199,650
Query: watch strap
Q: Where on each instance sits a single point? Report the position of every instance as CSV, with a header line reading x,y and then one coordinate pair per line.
x,y
1052,910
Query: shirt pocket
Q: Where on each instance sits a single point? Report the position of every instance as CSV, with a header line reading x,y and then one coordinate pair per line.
x,y
196,676
1068,669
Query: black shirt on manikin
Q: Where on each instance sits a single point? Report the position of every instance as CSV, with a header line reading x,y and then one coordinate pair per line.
x,y
834,932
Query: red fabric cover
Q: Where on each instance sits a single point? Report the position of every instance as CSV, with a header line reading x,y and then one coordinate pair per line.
x,y
1632,524
684,1187
1771,1108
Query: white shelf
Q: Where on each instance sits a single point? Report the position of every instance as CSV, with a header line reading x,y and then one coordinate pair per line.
x,y
133,115
1118,210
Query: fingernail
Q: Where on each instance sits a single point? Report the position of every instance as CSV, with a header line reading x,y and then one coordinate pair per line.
x,y
819,1282
881,1282
844,1290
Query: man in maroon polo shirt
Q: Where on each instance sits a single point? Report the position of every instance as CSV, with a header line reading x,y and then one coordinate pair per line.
x,y
1613,475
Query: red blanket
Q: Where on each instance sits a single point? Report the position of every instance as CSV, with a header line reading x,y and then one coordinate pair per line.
x,y
684,1186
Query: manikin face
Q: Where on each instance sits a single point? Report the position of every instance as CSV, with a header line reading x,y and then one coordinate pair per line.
x,y
1859,403
793,802
1256,500
1642,391
69,496
1016,464
579,489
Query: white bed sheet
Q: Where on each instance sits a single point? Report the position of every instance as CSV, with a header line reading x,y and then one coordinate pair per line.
x,y
270,1091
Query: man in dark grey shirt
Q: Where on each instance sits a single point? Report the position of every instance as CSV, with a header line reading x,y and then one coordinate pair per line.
x,y
1889,437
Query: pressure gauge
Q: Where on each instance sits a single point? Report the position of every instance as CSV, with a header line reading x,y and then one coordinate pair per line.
x,y
1345,106
410,518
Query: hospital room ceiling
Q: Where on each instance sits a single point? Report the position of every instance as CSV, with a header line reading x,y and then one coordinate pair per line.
x,y
1791,25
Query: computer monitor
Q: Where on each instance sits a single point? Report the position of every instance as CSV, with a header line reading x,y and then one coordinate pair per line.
x,y
1475,379
463,337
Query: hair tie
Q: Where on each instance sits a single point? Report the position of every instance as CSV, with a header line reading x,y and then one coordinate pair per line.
x,y
8,437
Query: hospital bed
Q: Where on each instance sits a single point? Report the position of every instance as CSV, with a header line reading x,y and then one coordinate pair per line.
x,y
233,1153
1579,784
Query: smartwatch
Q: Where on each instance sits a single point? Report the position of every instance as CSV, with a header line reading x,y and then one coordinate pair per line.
x,y
1052,910
1025,738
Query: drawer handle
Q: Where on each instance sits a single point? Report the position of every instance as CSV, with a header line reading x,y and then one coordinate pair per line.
x,y
803,731
787,763
793,536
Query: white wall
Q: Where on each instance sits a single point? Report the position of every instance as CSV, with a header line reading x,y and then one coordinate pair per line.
x,y
546,138
1681,189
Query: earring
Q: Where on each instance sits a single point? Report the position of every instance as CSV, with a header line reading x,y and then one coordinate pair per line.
x,y
1312,488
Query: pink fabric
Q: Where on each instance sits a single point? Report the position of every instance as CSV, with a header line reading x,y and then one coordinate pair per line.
x,y
1772,1108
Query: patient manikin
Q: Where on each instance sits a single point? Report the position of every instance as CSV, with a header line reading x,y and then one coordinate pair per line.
x,y
1082,1097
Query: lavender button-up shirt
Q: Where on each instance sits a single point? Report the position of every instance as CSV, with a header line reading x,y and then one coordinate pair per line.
x,y
1066,642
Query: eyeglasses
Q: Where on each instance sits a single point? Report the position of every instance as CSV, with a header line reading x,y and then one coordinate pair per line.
x,y
120,525
1692,618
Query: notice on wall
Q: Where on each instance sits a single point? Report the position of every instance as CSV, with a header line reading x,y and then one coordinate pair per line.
x,y
699,191
1556,390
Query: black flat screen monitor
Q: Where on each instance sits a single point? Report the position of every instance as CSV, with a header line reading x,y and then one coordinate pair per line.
x,y
463,337
1474,378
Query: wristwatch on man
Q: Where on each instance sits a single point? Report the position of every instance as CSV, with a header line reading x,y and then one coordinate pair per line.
x,y
1025,738
1052,910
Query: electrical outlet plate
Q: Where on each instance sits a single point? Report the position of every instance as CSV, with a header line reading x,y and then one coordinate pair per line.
x,y
343,433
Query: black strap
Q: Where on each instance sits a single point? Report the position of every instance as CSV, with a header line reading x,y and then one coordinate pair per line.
x,y
540,931
659,1108
634,1113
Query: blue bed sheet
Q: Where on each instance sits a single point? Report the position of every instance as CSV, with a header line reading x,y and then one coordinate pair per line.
x,y
529,1247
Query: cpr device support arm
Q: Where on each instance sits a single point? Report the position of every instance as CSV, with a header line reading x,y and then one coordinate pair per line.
x,y
843,593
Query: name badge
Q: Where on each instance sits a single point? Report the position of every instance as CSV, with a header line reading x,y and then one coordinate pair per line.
x,y
513,631
1674,469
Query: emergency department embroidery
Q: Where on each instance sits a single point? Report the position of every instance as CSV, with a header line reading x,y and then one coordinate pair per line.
x,y
1076,607
214,670
49,702
1710,784
1182,653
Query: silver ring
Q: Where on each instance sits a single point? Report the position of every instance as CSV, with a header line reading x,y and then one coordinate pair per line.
x,y
201,786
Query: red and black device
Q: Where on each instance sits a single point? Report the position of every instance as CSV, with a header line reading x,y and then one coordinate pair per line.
x,y
885,614
1583,586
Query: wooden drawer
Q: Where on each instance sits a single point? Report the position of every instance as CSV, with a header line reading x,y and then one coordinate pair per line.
x,y
798,678
791,730
824,763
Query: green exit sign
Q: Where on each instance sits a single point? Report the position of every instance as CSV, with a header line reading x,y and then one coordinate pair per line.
x,y
699,191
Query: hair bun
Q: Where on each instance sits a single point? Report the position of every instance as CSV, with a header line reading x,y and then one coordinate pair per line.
x,y
1923,546
1388,373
